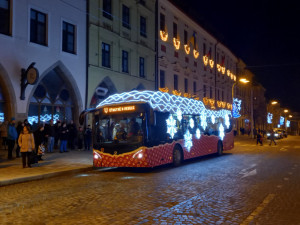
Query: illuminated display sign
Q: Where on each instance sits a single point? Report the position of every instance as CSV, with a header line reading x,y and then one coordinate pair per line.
x,y
281,122
269,118
129,108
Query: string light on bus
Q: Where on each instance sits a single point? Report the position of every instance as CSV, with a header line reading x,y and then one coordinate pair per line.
x,y
227,122
192,124
213,119
221,132
188,143
198,134
179,115
171,126
203,121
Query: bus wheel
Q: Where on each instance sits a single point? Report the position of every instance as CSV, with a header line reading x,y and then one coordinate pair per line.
x,y
220,148
177,156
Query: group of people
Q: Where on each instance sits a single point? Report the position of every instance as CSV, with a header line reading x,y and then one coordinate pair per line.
x,y
51,136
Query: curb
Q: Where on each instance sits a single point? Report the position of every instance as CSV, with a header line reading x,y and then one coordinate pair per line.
x,y
43,176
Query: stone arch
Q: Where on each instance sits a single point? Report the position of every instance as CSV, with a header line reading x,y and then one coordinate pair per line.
x,y
66,76
8,93
100,93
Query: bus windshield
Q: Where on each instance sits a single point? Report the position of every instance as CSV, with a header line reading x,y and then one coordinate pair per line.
x,y
119,132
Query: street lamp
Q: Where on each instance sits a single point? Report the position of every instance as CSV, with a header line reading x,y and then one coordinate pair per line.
x,y
274,102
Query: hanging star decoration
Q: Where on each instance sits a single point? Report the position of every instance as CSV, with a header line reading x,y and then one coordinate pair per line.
x,y
221,132
188,143
203,121
227,123
198,134
213,119
192,124
171,126
179,115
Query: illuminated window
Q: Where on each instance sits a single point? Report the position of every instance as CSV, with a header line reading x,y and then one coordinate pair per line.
x,y
185,37
142,67
143,26
105,55
107,9
204,49
125,61
162,79
68,44
175,82
126,17
5,17
186,87
38,25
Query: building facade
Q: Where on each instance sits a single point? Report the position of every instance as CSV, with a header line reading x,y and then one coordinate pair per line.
x,y
191,62
121,47
51,37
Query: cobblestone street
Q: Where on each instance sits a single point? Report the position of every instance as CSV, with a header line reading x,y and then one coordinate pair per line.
x,y
248,185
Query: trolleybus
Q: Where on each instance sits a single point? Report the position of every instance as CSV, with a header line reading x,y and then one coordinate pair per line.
x,y
152,128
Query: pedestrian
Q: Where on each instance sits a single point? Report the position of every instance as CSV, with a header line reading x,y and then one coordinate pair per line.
x,y
63,136
12,136
3,131
72,134
88,137
50,133
39,139
26,123
27,145
259,138
19,130
80,138
272,137
56,136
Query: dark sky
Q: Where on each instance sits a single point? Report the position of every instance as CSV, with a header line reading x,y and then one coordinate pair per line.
x,y
265,34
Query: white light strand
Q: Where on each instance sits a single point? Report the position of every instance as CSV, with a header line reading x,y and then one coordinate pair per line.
x,y
198,133
192,124
203,121
213,119
43,118
221,132
179,115
188,143
227,123
171,126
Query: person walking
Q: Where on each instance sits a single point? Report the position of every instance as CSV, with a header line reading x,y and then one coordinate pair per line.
x,y
87,138
259,138
27,145
39,139
272,137
3,131
12,136
50,133
63,137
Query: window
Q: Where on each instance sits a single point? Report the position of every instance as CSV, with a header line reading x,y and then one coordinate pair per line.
x,y
142,67
162,79
204,49
107,9
68,44
218,94
194,87
210,92
162,22
38,26
185,37
186,88
143,27
5,17
124,61
105,55
175,82
175,34
204,90
126,17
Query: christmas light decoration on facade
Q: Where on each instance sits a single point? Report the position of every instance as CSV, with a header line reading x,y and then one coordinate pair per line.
x,y
165,89
188,143
211,63
198,133
221,132
228,73
269,118
164,35
236,107
223,70
205,60
171,126
187,49
196,54
219,67
177,93
43,118
176,43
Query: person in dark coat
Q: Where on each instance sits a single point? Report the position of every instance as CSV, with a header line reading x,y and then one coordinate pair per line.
x,y
63,136
72,134
50,133
39,138
56,136
80,138
19,130
88,137
12,136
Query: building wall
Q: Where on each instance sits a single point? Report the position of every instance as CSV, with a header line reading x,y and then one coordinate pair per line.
x,y
188,66
17,51
113,33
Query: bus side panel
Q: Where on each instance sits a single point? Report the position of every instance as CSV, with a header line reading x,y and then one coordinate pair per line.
x,y
228,142
204,146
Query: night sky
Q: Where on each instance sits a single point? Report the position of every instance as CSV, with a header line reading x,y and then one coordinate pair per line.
x,y
265,34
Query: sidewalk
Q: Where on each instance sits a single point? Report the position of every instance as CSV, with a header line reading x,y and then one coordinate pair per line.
x,y
54,164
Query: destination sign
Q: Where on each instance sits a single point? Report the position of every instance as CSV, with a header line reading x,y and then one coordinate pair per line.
x,y
127,108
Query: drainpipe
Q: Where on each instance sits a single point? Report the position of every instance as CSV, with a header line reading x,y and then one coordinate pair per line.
x,y
156,45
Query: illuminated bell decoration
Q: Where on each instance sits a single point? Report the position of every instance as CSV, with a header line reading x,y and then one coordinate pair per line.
x,y
179,115
221,132
192,124
223,104
211,63
205,100
176,43
187,95
177,93
269,118
187,49
188,143
223,70
165,89
196,54
164,35
219,67
228,73
211,102
198,134
171,126
234,78
205,60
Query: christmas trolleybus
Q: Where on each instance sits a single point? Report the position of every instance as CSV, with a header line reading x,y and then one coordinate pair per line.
x,y
152,128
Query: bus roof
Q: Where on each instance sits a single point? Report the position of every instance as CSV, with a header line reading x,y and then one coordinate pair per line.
x,y
163,102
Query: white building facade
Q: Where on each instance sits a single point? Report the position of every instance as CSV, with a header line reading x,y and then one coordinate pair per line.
x,y
51,34
191,62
